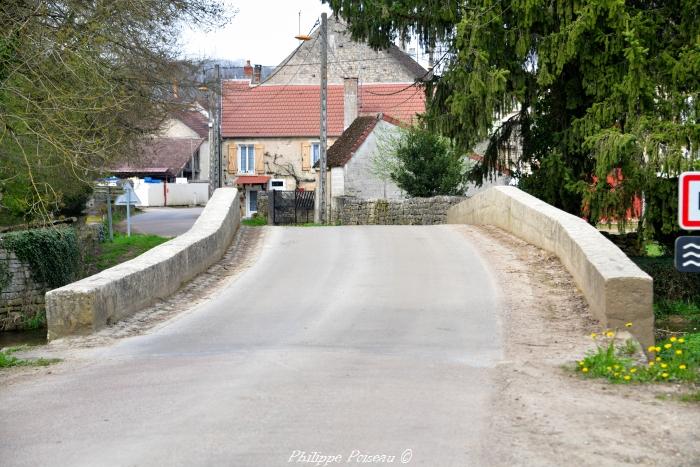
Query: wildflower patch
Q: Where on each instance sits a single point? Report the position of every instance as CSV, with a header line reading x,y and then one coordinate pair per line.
x,y
673,359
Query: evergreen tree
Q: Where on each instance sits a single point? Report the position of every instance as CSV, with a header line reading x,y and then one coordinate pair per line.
x,y
426,164
598,87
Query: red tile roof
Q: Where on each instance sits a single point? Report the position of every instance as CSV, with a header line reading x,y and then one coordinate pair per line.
x,y
159,156
278,111
344,147
195,120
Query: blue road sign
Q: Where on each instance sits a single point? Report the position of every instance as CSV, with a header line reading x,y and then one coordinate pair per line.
x,y
688,254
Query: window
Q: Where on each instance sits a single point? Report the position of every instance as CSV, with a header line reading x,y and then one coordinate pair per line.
x,y
277,184
315,153
246,159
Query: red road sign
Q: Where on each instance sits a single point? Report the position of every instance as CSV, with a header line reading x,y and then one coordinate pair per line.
x,y
689,201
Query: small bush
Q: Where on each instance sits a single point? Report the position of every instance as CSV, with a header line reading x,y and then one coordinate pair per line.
x,y
255,221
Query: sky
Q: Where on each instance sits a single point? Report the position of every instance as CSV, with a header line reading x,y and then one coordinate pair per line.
x,y
263,31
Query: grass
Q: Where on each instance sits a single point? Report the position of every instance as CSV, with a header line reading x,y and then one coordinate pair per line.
x,y
255,221
674,359
692,397
7,360
124,248
690,311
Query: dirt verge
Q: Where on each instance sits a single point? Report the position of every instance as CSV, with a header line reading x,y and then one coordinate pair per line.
x,y
76,350
547,415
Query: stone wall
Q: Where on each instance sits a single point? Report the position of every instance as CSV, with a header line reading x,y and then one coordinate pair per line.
x,y
615,288
21,298
347,210
91,303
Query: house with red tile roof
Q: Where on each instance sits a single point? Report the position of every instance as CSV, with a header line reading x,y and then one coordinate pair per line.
x,y
270,131
352,159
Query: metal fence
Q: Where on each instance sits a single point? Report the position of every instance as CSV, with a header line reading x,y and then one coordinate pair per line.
x,y
292,207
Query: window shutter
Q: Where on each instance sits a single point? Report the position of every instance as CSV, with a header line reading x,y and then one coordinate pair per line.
x,y
259,159
232,158
305,156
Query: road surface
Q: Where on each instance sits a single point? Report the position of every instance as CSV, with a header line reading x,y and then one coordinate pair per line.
x,y
166,222
344,341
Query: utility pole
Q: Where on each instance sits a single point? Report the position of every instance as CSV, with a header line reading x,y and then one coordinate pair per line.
x,y
320,214
219,96
215,169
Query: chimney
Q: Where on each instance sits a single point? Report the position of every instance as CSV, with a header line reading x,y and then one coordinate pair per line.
x,y
248,70
257,74
350,102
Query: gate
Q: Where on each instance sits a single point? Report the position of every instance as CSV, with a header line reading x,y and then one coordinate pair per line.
x,y
292,207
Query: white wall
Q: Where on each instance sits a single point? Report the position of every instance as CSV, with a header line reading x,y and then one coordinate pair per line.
x,y
177,194
359,179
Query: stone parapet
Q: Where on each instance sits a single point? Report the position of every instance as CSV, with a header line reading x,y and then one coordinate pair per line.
x,y
89,304
616,289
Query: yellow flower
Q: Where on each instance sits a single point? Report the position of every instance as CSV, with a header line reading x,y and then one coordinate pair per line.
x,y
610,334
664,375
616,375
628,325
593,335
585,370
658,349
581,363
679,352
609,369
633,370
627,377
673,339
658,359
663,365
681,340
682,367
651,363
668,346
616,366
651,348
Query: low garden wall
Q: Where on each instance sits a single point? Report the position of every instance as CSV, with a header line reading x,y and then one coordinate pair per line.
x,y
91,303
347,210
616,289
21,297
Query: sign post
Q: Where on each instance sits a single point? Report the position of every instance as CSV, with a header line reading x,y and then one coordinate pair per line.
x,y
128,199
687,258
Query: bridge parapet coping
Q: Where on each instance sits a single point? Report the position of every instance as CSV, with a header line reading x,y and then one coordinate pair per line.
x,y
616,289
89,304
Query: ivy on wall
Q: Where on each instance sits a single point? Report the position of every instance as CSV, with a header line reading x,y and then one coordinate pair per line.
x,y
5,275
52,254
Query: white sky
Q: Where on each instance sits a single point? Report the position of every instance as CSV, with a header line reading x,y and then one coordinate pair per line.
x,y
263,31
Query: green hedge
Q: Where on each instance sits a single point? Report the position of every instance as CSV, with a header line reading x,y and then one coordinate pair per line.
x,y
669,284
52,253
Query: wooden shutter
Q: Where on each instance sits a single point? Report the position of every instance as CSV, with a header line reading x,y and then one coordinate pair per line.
x,y
232,158
305,156
259,159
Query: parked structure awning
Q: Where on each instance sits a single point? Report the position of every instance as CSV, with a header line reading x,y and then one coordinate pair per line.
x,y
252,180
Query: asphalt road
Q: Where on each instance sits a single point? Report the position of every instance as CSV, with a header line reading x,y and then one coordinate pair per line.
x,y
339,340
166,222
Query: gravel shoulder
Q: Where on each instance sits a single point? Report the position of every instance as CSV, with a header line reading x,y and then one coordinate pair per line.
x,y
544,414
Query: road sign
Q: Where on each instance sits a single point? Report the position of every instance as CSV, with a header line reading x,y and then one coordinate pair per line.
x,y
688,254
689,201
129,197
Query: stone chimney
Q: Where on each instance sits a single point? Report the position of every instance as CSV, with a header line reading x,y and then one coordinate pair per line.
x,y
350,102
248,70
257,74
